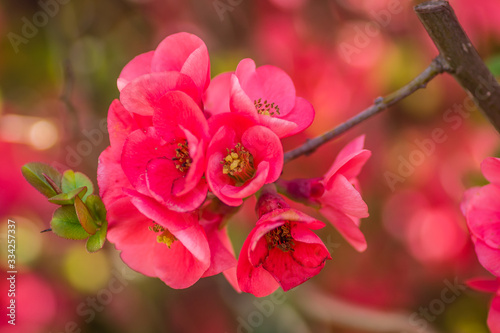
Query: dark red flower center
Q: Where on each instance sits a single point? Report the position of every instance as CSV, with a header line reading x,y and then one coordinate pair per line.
x,y
165,236
266,108
281,238
238,164
182,159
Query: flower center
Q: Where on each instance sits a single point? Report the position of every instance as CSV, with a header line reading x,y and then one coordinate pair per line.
x,y
281,238
238,164
166,237
265,108
182,159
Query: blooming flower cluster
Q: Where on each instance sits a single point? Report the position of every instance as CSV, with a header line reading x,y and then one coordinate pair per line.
x,y
185,151
481,207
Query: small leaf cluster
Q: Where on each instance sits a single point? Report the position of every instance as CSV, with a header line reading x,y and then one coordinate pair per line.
x,y
81,214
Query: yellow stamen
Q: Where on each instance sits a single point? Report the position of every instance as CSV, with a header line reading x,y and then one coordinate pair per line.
x,y
166,237
238,164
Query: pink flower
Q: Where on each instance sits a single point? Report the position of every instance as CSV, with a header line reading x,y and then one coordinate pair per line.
x,y
153,239
267,94
241,157
180,62
337,194
281,250
182,52
139,158
158,246
481,209
490,286
167,160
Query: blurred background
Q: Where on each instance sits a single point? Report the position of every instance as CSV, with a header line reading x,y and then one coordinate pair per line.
x,y
59,61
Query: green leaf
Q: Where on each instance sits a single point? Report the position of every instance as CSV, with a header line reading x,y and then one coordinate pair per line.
x,y
72,180
96,207
68,198
84,216
96,242
34,174
66,225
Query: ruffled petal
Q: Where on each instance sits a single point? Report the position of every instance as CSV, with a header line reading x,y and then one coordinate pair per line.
x,y
344,197
216,98
142,95
138,66
254,280
110,176
488,257
120,124
160,214
287,270
302,115
140,148
183,263
346,226
250,187
221,251
264,145
350,160
490,168
186,53
128,231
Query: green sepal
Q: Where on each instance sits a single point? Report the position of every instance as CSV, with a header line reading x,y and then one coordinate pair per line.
x,y
68,198
96,242
84,216
65,224
34,174
72,180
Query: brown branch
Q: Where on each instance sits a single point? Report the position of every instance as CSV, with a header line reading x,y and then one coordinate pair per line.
x,y
436,67
465,63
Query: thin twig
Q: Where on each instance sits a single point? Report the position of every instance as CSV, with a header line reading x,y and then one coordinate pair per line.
x,y
436,67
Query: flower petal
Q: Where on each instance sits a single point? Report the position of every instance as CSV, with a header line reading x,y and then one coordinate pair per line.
x,y
160,214
264,145
183,263
186,53
254,280
487,256
346,226
350,160
490,168
120,124
142,146
288,271
216,98
128,231
138,66
110,176
141,95
341,195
